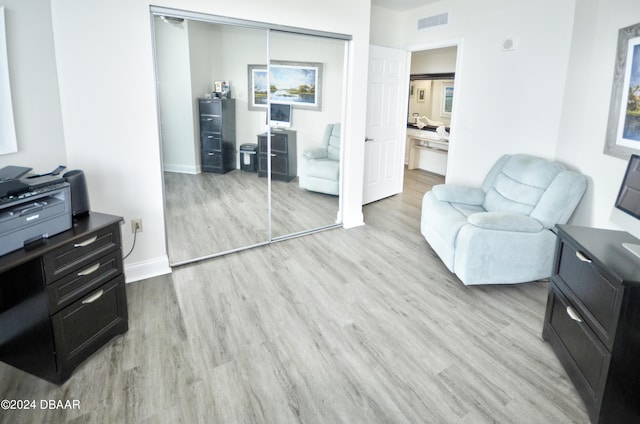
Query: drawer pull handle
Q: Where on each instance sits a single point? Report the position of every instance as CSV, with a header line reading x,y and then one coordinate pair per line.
x,y
86,242
89,270
93,298
582,257
573,314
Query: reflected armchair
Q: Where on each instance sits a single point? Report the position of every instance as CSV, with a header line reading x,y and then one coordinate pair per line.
x,y
500,233
320,167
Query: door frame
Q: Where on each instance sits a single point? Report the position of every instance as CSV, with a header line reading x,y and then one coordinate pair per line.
x,y
458,43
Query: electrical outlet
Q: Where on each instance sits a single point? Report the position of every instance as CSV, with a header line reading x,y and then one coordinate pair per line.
x,y
136,225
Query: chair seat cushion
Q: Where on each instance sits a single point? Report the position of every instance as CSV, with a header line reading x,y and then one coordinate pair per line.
x,y
323,168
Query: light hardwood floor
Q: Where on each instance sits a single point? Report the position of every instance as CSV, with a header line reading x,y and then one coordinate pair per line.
x,y
210,213
344,326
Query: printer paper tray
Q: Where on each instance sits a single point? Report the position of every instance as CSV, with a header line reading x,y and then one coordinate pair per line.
x,y
37,218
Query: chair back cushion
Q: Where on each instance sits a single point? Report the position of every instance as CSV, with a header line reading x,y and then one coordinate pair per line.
x,y
332,141
516,183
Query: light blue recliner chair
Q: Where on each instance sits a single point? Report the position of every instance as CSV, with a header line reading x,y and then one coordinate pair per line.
x,y
500,233
320,168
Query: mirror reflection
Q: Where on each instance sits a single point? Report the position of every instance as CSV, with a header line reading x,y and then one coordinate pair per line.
x,y
214,201
307,74
250,146
430,100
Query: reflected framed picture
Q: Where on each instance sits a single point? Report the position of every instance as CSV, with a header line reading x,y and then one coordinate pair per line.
x,y
421,95
296,83
447,100
622,138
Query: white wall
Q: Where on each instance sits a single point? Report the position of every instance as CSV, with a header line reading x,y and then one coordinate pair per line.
x,y
104,60
34,86
504,102
440,60
586,108
179,151
235,48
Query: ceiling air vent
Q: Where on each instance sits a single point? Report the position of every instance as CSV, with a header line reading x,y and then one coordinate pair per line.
x,y
433,21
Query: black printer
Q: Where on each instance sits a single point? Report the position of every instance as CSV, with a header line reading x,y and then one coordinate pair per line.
x,y
32,207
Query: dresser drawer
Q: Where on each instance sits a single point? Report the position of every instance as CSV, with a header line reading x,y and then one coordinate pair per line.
x,y
596,298
584,357
210,124
279,143
81,328
211,142
210,107
211,161
80,253
78,283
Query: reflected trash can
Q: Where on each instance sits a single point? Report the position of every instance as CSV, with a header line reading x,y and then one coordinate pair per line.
x,y
248,157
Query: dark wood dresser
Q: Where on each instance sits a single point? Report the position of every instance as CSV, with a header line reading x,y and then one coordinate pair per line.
x,y
284,156
592,320
63,299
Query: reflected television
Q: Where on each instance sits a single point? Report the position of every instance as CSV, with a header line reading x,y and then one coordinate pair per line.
x,y
629,195
279,115
628,199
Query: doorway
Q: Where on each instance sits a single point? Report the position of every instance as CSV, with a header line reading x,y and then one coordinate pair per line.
x,y
431,101
427,111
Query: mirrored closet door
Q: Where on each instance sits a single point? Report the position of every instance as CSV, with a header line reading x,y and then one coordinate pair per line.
x,y
306,75
250,132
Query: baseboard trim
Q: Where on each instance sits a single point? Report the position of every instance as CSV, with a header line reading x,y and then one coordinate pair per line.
x,y
181,169
147,269
353,221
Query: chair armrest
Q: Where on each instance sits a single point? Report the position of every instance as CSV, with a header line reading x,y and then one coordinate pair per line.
x,y
505,222
315,153
458,194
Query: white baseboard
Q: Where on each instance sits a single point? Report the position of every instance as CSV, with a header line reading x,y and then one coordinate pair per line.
x,y
353,221
147,269
182,169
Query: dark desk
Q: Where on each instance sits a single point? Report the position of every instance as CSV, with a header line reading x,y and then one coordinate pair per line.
x,y
63,299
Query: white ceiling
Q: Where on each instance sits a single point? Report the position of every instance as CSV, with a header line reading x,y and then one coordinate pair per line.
x,y
402,5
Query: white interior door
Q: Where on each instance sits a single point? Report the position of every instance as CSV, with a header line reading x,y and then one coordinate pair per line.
x,y
386,122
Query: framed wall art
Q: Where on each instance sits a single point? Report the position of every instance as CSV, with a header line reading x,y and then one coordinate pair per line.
x,y
296,83
623,128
